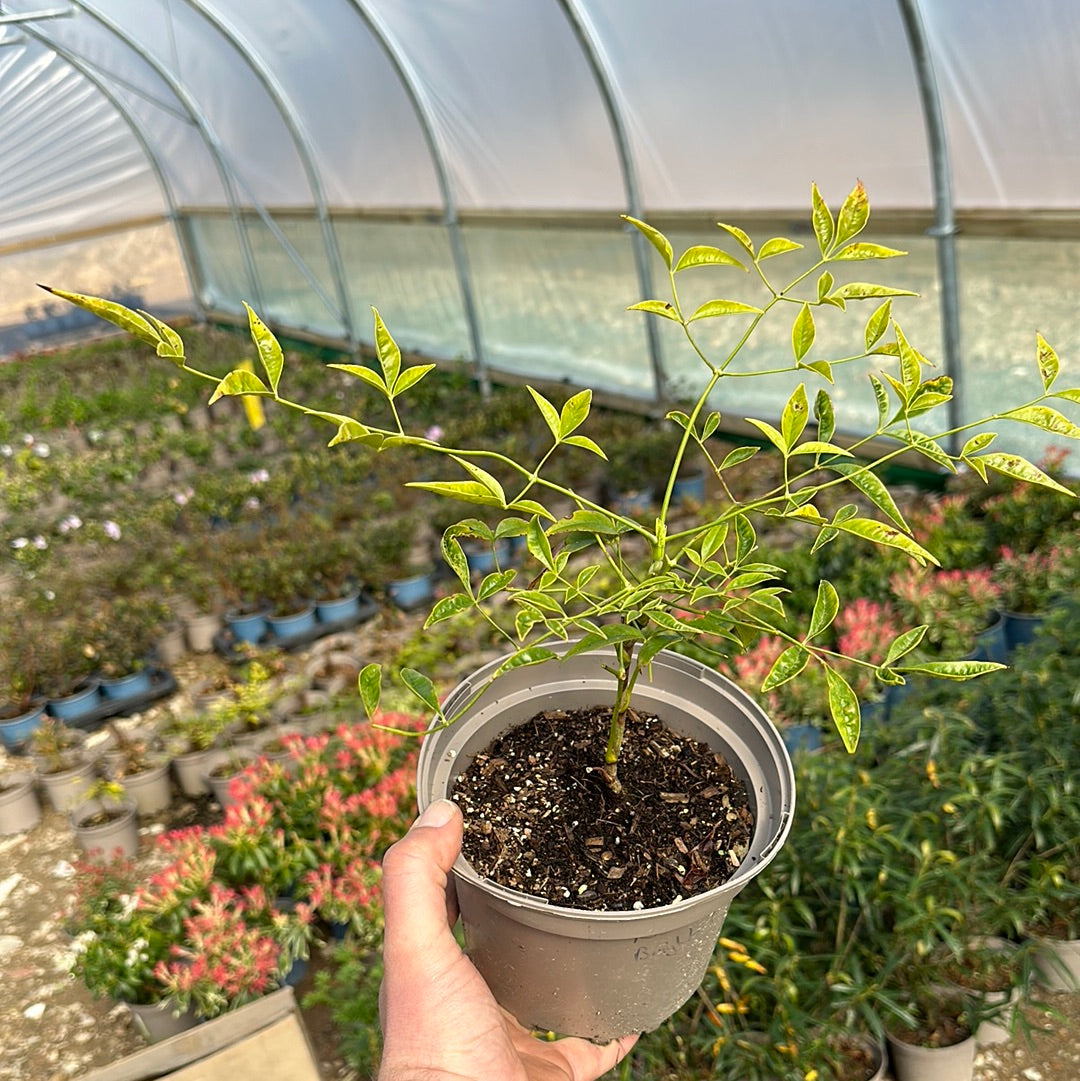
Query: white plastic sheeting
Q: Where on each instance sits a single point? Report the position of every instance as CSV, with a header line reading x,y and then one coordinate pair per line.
x,y
462,163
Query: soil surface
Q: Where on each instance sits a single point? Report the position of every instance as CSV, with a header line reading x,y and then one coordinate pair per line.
x,y
679,826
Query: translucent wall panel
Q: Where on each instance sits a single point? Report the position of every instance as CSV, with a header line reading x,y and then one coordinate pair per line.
x,y
143,265
552,304
1010,289
406,270
739,104
518,112
67,160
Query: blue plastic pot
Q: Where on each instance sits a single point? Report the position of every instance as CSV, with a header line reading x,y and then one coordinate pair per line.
x,y
76,707
409,593
339,609
247,626
801,737
482,558
293,624
134,685
15,731
1021,628
689,489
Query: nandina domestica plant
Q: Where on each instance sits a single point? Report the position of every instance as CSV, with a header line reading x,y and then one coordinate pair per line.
x,y
703,581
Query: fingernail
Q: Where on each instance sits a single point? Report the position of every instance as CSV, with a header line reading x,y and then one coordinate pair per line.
x,y
437,814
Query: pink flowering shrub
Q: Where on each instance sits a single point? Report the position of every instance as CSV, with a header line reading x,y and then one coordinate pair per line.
x,y
1030,582
799,701
864,629
954,605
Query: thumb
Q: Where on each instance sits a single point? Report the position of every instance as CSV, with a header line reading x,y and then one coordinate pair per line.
x,y
415,877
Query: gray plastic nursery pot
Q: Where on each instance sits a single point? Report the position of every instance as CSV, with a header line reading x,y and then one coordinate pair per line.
x,y
601,975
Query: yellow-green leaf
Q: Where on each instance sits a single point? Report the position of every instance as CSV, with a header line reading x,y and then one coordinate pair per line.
x,y
269,348
739,235
656,307
879,533
777,246
585,443
795,415
364,373
575,412
706,255
853,215
1012,465
711,309
1047,360
788,665
865,290
387,349
410,377
370,686
484,477
822,219
447,607
239,382
802,332
851,252
1050,420
877,324
654,237
466,490
114,313
824,415
826,605
844,707
547,411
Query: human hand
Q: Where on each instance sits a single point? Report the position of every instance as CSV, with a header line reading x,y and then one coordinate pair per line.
x,y
439,1019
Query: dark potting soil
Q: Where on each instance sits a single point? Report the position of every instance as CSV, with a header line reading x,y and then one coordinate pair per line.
x,y
540,819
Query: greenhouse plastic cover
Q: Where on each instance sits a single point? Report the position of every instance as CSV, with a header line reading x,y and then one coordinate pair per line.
x,y
462,164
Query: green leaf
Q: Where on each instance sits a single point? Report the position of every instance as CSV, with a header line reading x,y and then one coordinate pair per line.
x,y
677,416
539,545
410,377
589,521
1012,465
826,605
777,246
865,290
903,644
494,583
788,665
881,395
957,670
795,415
1049,420
446,607
978,443
350,431
421,687
1047,360
656,307
824,415
1070,394
713,539
171,346
484,478
822,219
654,237
824,284
802,332
467,491
239,382
872,487
711,309
706,255
853,215
930,394
363,372
387,348
269,348
879,533
738,455
851,252
822,367
739,235
818,446
877,324
370,685
746,538
547,411
114,313
454,558
586,443
526,657
928,448
712,422
770,433
574,412
844,707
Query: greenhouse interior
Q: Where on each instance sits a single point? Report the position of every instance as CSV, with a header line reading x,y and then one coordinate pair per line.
x,y
376,366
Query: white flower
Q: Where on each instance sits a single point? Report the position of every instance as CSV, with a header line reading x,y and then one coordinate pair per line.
x,y
181,498
40,543
252,503
20,542
260,476
112,530
6,450
434,433
28,440
72,521
42,450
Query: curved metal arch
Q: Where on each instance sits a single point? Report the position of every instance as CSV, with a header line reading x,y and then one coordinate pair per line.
x,y
213,144
944,229
602,71
303,144
414,88
86,70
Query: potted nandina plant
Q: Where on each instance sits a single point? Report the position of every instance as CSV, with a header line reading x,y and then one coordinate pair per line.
x,y
634,933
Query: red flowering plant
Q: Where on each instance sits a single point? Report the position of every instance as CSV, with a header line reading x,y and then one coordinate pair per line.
x,y
236,947
953,606
864,629
1030,582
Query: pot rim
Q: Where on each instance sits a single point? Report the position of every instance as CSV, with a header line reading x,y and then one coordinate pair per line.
x,y
748,869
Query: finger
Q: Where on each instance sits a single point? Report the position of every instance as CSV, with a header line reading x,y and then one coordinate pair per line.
x,y
581,1060
415,896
